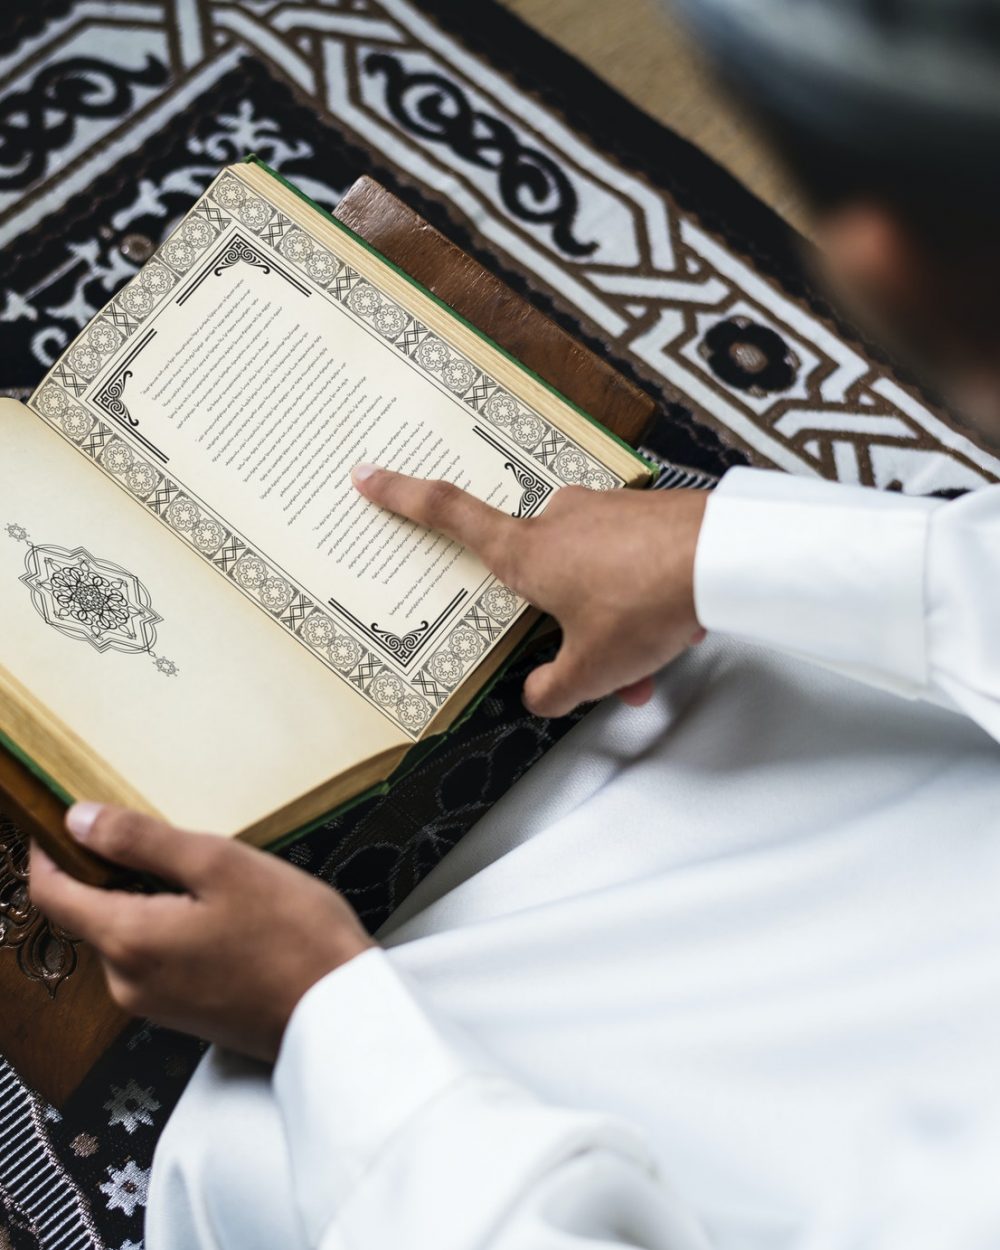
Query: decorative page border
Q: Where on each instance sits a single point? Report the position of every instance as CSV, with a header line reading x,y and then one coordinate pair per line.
x,y
77,379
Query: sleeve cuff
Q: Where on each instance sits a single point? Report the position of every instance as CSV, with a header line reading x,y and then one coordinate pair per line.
x,y
830,572
359,1059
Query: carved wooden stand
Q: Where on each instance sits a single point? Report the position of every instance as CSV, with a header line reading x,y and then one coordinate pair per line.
x,y
55,1016
45,953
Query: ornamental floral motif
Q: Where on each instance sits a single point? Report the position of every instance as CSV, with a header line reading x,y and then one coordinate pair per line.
x,y
104,338
275,594
136,299
52,400
527,429
446,668
501,409
387,690
141,478
157,280
179,254
345,653
207,535
466,644
117,457
85,361
76,422
499,602
255,213
321,266
432,355
183,515
318,630
251,572
296,246
458,375
390,321
597,479
364,300
571,465
197,232
229,192
413,712
87,598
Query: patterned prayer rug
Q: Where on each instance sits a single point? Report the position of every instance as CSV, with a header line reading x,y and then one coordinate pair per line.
x,y
114,115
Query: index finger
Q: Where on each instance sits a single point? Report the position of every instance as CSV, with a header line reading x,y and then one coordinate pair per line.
x,y
440,506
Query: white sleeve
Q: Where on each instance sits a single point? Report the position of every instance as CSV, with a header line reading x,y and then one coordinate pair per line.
x,y
400,1134
900,592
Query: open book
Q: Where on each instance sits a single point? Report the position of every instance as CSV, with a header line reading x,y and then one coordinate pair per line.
x,y
202,618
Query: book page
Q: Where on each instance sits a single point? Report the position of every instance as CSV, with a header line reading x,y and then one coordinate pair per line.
x,y
176,682
232,386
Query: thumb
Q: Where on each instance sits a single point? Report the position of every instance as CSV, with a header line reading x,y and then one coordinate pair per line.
x,y
555,689
140,842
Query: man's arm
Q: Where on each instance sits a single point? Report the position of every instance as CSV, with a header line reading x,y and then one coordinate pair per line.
x,y
402,1133
896,591
616,570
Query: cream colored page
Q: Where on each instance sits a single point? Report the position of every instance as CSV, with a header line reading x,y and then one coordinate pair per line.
x,y
212,714
264,406
248,368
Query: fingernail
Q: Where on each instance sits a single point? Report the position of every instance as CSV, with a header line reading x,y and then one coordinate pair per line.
x,y
362,472
80,819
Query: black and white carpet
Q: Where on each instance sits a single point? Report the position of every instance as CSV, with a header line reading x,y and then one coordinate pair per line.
x,y
114,115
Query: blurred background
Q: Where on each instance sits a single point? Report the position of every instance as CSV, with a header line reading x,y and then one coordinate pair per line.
x,y
641,50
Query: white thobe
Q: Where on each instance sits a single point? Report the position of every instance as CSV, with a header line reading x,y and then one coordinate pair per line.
x,y
720,972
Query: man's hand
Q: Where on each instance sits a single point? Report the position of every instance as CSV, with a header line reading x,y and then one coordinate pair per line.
x,y
616,570
229,957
